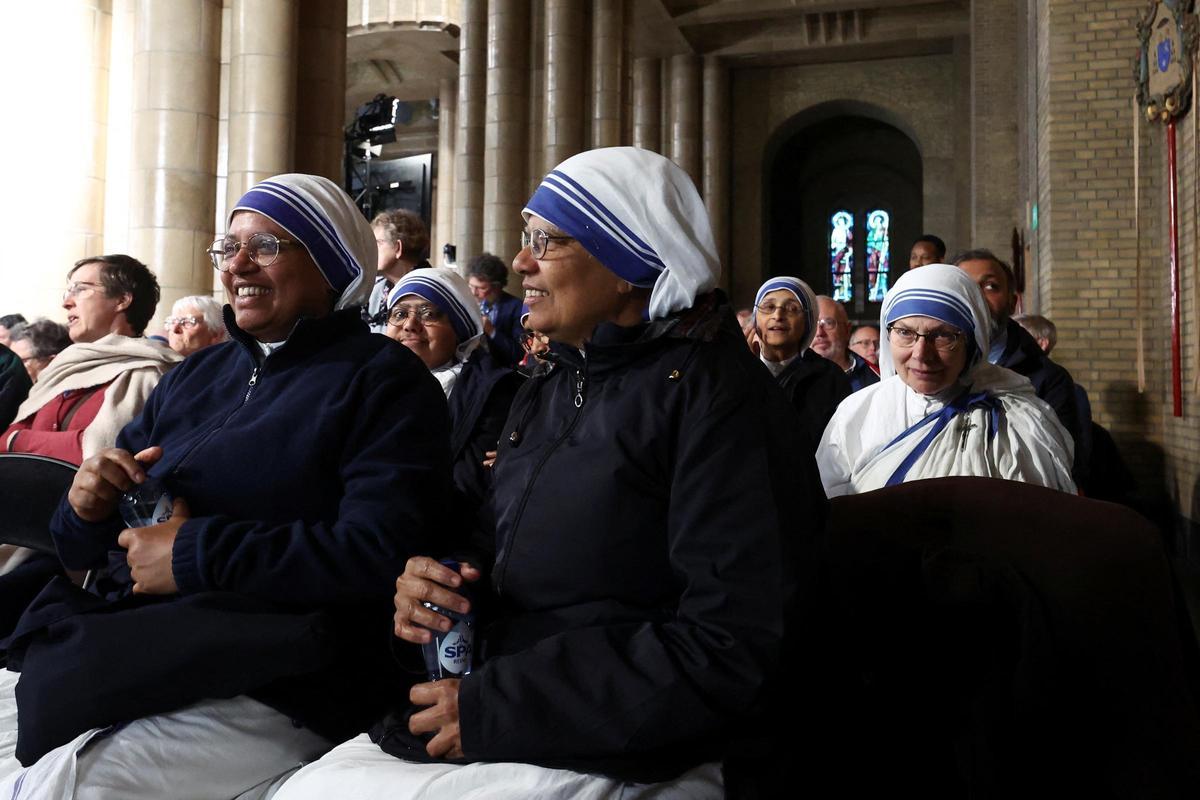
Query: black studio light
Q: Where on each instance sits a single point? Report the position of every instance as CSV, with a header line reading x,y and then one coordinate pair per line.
x,y
375,121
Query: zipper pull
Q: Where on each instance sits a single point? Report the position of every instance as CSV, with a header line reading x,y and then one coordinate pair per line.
x,y
250,386
578,389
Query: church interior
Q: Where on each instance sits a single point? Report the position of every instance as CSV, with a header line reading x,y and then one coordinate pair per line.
x,y
1011,125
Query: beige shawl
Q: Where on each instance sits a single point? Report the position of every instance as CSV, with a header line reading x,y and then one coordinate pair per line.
x,y
131,367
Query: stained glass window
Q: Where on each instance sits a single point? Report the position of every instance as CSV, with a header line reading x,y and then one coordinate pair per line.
x,y
841,255
878,249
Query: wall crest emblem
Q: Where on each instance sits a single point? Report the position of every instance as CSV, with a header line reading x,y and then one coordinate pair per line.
x,y
1165,59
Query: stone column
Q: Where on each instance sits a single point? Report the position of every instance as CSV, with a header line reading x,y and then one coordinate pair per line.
x,y
321,88
608,57
173,171
468,169
443,221
994,104
507,119
535,151
563,100
647,104
715,188
262,92
685,114
665,107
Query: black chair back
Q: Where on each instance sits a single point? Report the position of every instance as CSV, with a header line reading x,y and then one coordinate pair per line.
x,y
31,487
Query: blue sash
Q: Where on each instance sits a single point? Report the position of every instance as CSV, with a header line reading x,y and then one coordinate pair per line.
x,y
938,422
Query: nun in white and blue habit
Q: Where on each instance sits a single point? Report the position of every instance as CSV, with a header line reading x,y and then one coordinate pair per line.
x,y
479,389
987,422
306,470
644,492
814,385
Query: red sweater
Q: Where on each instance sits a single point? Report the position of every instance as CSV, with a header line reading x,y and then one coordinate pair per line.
x,y
56,430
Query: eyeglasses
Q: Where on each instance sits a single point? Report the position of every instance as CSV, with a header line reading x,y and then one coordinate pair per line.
x,y
79,287
529,337
828,323
789,309
864,343
426,315
945,341
183,322
261,248
537,239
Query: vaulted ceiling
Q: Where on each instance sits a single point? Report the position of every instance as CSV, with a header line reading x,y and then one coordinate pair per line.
x,y
407,58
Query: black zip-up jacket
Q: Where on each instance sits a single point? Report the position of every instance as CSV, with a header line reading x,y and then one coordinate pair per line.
x,y
814,386
1052,383
479,406
653,515
311,476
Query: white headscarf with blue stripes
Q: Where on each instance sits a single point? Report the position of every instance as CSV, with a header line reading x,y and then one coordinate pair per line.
x,y
803,294
640,215
447,290
944,293
325,220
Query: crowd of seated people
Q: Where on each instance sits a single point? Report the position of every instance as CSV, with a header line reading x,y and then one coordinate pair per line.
x,y
623,480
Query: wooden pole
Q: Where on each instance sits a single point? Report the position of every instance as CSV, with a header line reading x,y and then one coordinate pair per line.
x,y
1137,247
1173,205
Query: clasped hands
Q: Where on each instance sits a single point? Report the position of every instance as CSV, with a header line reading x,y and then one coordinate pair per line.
x,y
94,494
426,581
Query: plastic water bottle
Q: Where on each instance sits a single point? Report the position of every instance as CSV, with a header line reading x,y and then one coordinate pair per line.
x,y
449,654
147,503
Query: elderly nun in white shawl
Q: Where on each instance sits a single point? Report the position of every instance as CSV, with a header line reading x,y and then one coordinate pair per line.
x,y
941,409
638,526
307,461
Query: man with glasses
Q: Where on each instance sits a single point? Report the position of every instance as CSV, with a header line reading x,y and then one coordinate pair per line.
x,y
832,341
195,323
864,342
98,384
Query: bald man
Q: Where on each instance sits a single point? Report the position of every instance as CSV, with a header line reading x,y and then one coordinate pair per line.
x,y
832,341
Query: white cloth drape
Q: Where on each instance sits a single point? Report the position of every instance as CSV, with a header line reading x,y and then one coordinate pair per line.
x,y
359,769
1030,444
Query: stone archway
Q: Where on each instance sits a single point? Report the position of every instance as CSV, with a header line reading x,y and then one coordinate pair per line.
x,y
840,156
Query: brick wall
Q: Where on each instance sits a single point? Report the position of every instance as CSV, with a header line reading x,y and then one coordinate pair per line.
x,y
1084,260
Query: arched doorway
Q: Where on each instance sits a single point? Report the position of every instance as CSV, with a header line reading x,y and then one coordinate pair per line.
x,y
844,203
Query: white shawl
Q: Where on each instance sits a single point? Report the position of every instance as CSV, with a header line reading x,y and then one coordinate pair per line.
x,y
885,434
